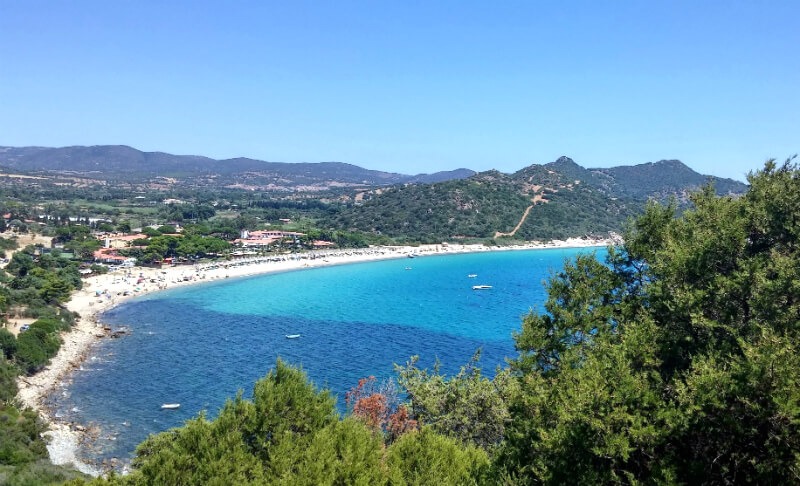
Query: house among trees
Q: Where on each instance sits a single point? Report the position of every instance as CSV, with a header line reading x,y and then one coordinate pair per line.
x,y
110,256
265,238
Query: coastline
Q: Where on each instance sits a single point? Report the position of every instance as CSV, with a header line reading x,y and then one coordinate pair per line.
x,y
104,292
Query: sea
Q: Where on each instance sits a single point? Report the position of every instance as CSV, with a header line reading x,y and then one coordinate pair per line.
x,y
200,345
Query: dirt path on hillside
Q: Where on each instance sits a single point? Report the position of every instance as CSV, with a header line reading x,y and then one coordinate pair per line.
x,y
517,227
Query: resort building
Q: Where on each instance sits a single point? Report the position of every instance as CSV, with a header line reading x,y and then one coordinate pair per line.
x,y
265,238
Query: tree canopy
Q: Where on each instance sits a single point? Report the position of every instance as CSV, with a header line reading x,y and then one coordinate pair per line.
x,y
676,361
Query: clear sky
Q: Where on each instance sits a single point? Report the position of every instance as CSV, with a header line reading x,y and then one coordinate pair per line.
x,y
409,86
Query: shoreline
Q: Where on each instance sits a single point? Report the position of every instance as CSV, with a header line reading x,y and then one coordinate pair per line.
x,y
103,292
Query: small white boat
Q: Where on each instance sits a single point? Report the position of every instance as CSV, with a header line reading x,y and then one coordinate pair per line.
x,y
292,336
472,275
481,287
170,406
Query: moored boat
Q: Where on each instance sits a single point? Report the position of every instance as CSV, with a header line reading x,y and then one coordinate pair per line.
x,y
170,406
292,336
481,287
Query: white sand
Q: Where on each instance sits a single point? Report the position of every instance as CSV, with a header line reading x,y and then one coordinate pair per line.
x,y
102,292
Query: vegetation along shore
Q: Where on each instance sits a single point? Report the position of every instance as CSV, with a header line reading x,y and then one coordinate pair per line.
x,y
672,361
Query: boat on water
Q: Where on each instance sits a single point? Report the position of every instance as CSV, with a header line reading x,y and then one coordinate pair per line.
x,y
292,336
170,406
472,275
481,287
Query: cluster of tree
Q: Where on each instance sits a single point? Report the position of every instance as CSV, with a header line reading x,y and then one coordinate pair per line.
x,y
432,213
7,244
673,362
77,238
35,285
290,433
36,280
187,212
577,211
23,453
157,248
485,204
34,347
342,239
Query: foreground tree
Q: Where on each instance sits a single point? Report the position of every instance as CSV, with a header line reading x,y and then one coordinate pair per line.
x,y
468,406
290,433
676,362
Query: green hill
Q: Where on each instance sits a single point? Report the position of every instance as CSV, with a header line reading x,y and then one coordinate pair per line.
x,y
543,201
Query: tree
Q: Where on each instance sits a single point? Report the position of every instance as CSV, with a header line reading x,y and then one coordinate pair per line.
x,y
124,227
289,433
468,406
21,263
425,457
247,441
343,452
8,343
8,379
378,407
676,361
55,289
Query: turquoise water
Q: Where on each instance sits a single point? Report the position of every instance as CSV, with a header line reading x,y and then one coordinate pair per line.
x,y
199,345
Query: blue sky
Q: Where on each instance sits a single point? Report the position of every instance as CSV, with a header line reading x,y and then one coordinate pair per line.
x,y
409,86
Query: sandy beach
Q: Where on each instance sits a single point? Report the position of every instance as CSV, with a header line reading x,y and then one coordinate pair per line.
x,y
103,292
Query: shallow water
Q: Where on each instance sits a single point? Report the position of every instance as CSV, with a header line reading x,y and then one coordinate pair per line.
x,y
199,345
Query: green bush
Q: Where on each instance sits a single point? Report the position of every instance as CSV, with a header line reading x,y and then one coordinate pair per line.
x,y
8,343
8,380
35,347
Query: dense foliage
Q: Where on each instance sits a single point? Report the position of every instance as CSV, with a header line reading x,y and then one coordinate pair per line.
x,y
290,433
675,362
436,212
487,204
23,456
36,284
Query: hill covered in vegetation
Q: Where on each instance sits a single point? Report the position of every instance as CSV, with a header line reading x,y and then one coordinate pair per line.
x,y
556,200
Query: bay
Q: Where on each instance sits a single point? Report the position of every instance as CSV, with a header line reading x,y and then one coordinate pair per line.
x,y
200,345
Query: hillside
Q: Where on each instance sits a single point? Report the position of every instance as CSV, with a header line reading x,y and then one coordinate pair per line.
x,y
542,201
562,199
663,179
120,163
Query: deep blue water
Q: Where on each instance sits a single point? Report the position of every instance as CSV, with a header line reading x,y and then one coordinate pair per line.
x,y
199,345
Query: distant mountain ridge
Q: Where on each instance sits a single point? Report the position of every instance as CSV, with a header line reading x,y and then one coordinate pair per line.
x,y
126,164
664,178
123,163
642,181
